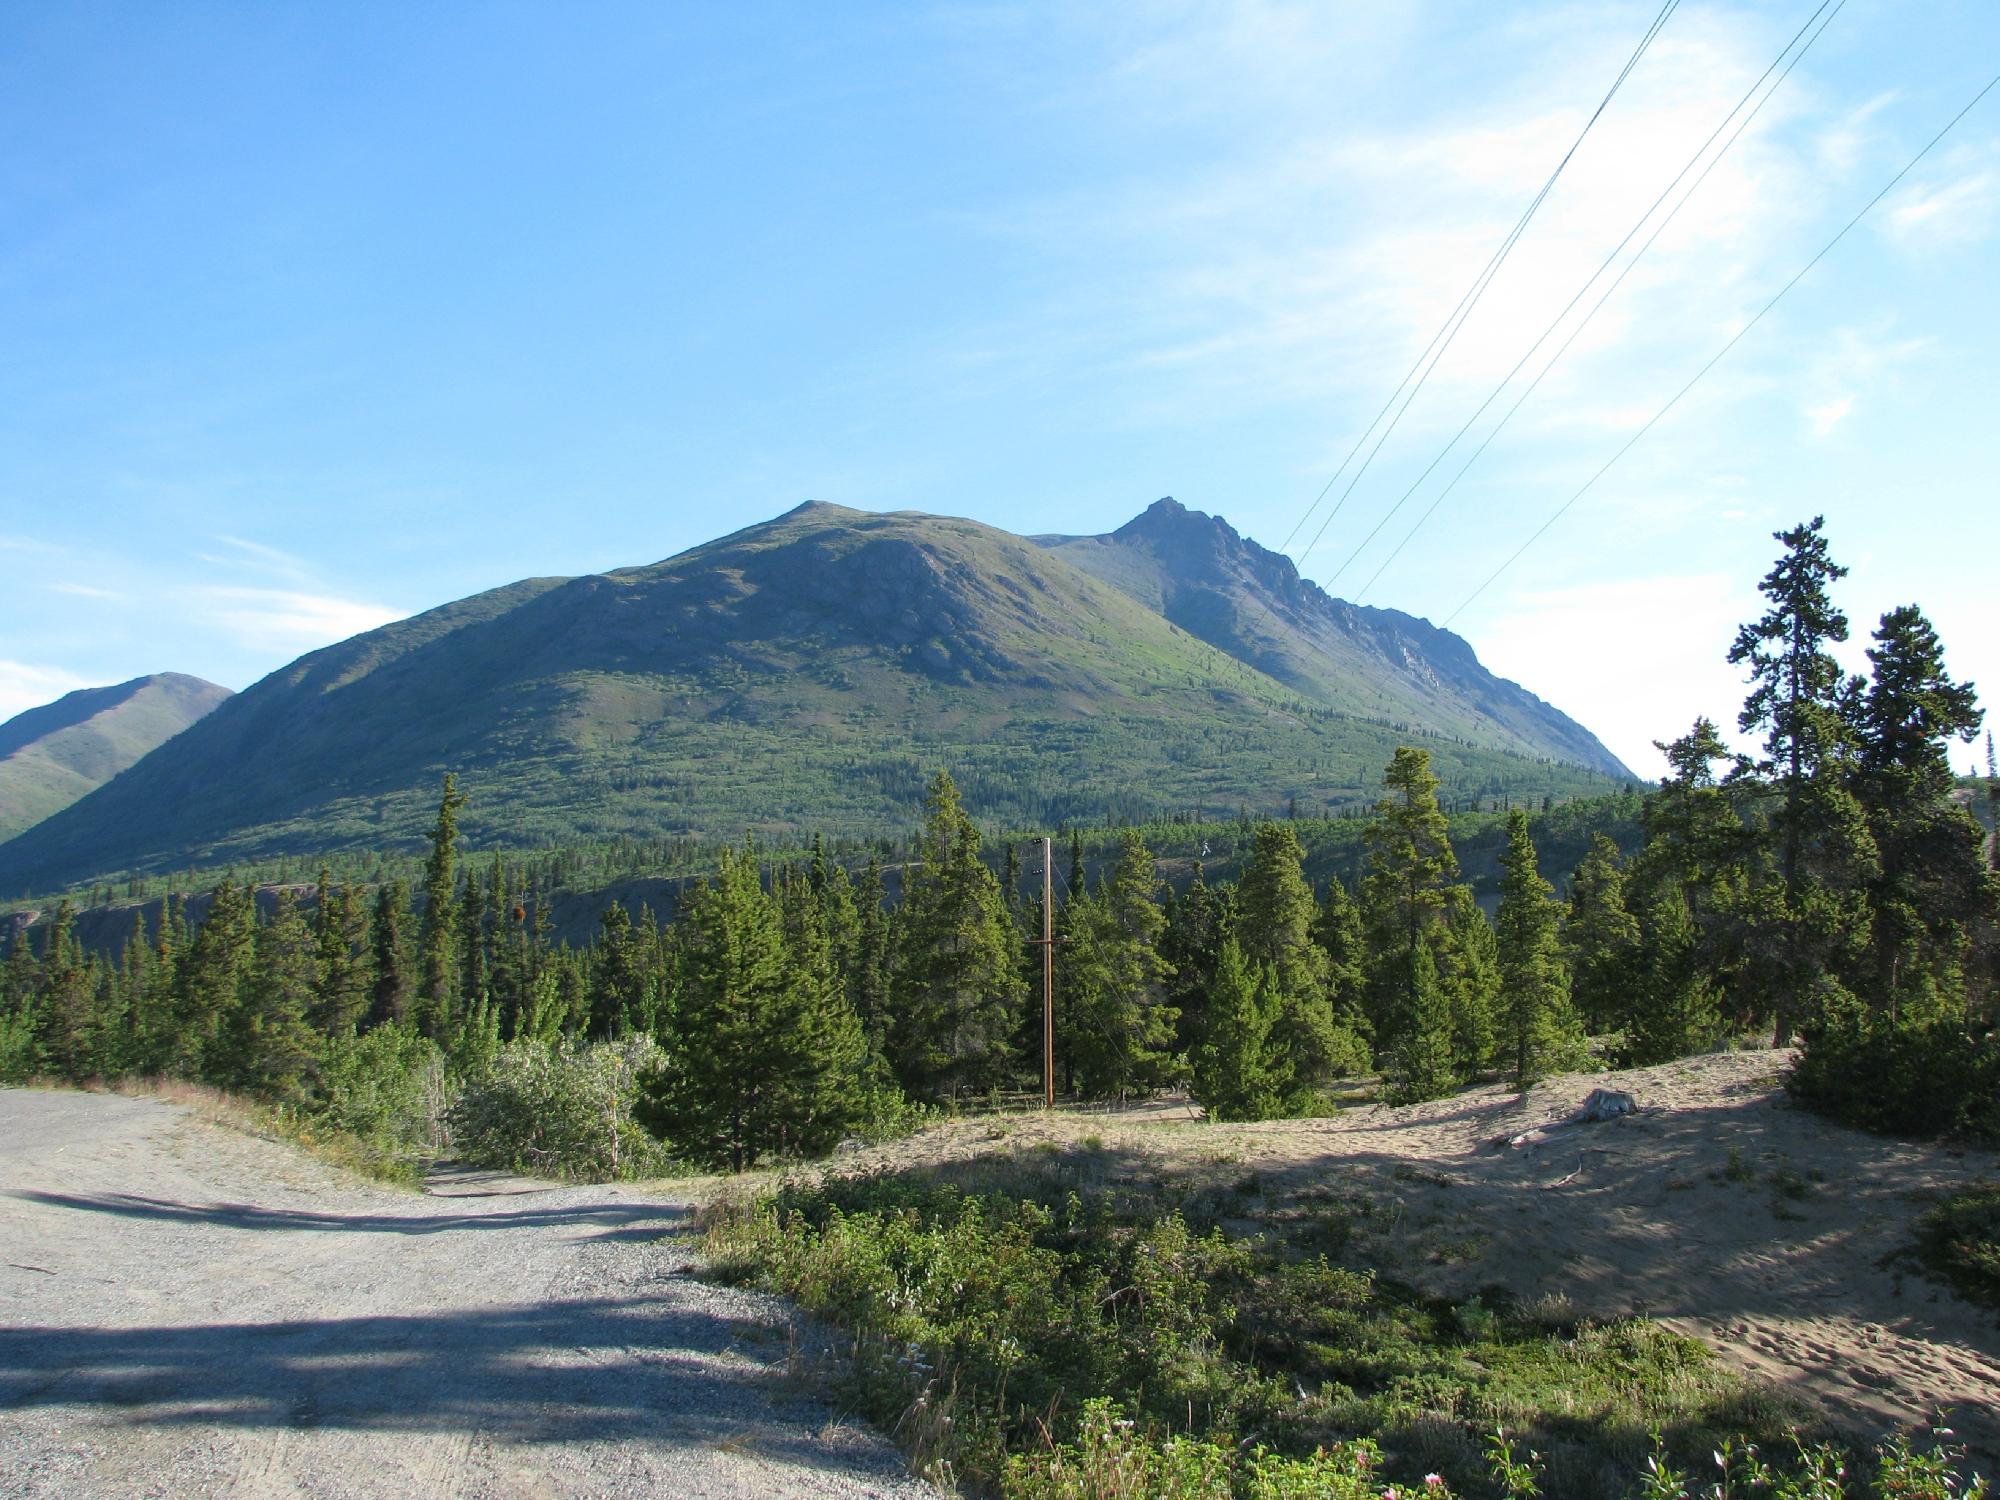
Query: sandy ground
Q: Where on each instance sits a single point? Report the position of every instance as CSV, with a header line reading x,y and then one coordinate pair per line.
x,y
1774,1235
187,1310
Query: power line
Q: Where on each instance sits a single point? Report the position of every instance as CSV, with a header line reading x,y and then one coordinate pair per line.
x,y
1609,291
1441,341
1717,358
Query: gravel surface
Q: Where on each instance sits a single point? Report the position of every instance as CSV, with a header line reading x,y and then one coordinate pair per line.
x,y
187,1310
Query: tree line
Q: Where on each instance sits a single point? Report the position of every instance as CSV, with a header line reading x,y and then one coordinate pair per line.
x,y
1829,886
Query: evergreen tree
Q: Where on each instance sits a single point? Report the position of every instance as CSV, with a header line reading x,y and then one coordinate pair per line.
x,y
1468,963
1424,1067
342,984
1539,1025
957,988
1120,1027
267,1046
68,1009
211,981
1238,1073
437,935
868,979
1672,1011
1602,935
389,998
1338,931
1275,913
766,1056
1410,864
1796,700
1194,927
1932,891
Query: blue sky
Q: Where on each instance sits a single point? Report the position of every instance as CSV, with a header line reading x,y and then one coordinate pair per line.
x,y
311,316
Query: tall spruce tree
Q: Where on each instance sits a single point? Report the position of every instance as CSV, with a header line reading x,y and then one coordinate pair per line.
x,y
1671,1006
388,946
766,1056
957,989
1410,864
1817,836
1121,1028
1602,936
1275,913
1539,1026
1468,963
437,995
1425,1054
1240,1073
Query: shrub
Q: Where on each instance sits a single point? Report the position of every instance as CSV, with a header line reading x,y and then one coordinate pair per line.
x,y
388,1089
558,1111
1960,1240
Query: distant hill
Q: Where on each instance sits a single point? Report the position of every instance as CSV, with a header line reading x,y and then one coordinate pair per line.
x,y
53,755
812,671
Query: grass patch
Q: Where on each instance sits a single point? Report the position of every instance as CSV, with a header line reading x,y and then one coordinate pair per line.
x,y
1959,1241
374,1157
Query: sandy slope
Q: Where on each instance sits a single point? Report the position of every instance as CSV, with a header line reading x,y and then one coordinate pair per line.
x,y
1769,1232
187,1310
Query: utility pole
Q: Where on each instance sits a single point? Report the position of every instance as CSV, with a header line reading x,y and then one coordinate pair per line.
x,y
1048,946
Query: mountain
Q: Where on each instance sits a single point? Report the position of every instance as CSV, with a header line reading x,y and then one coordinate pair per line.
x,y
53,755
808,672
1251,603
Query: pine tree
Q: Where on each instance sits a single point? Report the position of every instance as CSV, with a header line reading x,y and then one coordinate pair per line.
x,y
956,988
1468,963
389,998
869,978
68,1008
1424,1066
1238,1073
1275,913
1932,891
341,986
1410,864
1120,1027
1796,700
766,1056
1195,925
1672,1011
211,981
267,1047
437,935
1602,935
1540,1028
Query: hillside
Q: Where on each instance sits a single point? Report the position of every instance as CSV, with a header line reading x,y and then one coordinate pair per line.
x,y
53,755
1251,603
810,671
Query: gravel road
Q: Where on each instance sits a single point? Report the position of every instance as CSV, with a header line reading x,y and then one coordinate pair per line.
x,y
187,1310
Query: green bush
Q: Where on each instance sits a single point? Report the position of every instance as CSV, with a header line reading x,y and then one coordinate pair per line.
x,y
1960,1240
20,1057
388,1088
984,1323
1920,1080
559,1111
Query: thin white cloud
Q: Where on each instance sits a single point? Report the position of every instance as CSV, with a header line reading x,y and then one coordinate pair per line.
x,y
273,619
259,557
84,591
24,686
1634,660
1829,415
1957,203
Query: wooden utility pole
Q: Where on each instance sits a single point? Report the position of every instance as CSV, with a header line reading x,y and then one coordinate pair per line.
x,y
1048,947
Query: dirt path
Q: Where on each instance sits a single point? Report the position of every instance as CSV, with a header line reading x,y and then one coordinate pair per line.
x,y
185,1310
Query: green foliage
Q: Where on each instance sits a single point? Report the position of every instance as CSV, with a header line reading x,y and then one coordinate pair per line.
x,y
1240,1070
993,1326
1425,1065
1118,1028
956,988
387,1088
1602,936
561,1111
766,1057
1541,1031
1410,864
1671,1010
1960,1240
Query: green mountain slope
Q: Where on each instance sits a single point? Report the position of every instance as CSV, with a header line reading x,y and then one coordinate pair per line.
x,y
807,672
53,755
1225,589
